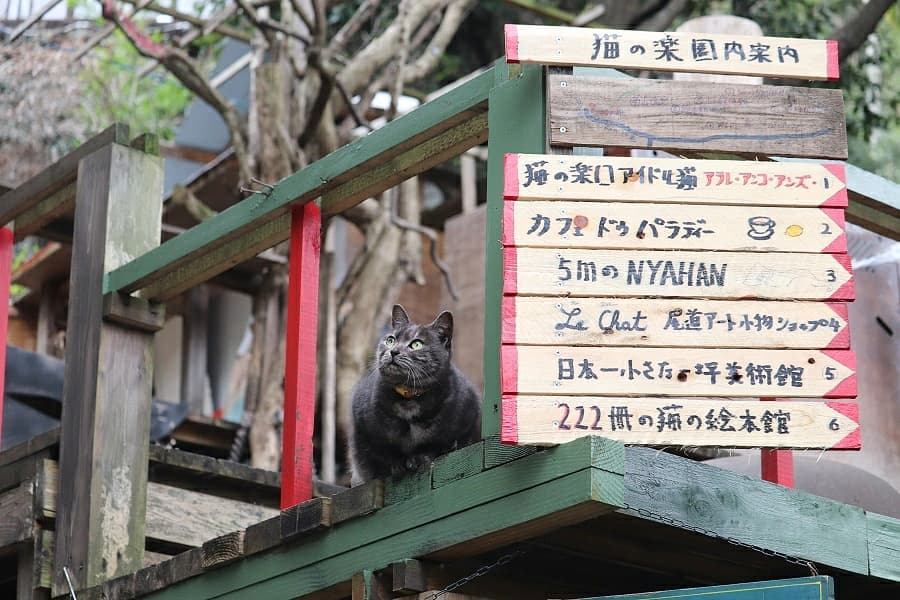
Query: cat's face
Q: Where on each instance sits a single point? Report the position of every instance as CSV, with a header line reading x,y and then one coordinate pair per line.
x,y
415,355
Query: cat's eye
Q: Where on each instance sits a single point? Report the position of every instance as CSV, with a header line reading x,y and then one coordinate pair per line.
x,y
416,344
389,341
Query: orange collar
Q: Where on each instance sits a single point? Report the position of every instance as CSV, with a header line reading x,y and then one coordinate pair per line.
x,y
408,392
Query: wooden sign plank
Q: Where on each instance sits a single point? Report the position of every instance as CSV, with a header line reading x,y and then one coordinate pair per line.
x,y
674,180
618,273
550,420
673,51
554,224
820,587
586,370
676,322
690,115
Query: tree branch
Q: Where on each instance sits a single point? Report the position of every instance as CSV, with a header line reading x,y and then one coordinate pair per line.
x,y
266,24
854,32
456,12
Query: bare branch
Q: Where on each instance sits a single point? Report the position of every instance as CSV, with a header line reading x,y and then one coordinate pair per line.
x,y
456,12
266,24
301,12
362,14
196,21
855,31
184,197
350,106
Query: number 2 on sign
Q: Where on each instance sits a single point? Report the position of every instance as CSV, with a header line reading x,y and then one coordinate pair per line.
x,y
578,424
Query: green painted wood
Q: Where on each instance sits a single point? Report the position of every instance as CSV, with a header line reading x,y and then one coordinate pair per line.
x,y
465,462
803,588
398,489
413,517
725,504
884,546
515,124
296,571
441,114
496,453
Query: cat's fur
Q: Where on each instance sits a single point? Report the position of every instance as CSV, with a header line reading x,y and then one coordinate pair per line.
x,y
394,434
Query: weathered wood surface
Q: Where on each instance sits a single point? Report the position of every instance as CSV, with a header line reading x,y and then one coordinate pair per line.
x,y
307,516
670,227
261,221
133,312
57,176
222,550
884,546
820,587
584,370
194,357
108,374
794,58
548,420
674,322
16,514
734,506
689,115
577,272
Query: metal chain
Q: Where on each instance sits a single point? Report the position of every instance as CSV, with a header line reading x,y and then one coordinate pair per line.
x,y
710,533
481,571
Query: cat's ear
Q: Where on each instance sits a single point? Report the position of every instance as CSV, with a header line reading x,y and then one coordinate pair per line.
x,y
399,318
444,326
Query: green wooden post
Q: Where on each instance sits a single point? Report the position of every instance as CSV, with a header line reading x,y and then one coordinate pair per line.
x,y
516,123
108,374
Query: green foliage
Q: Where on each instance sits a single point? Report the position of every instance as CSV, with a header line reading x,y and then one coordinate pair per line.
x,y
115,92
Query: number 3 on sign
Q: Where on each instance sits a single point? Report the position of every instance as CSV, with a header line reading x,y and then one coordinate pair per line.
x,y
830,276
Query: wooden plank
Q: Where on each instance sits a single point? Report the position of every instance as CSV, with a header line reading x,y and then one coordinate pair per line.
x,y
670,227
884,546
263,535
579,370
496,453
35,445
16,515
691,115
398,489
466,462
516,124
805,588
195,328
222,550
108,375
548,420
300,356
369,585
660,486
311,515
794,58
132,312
261,220
568,272
58,175
6,256
675,322
777,466
357,501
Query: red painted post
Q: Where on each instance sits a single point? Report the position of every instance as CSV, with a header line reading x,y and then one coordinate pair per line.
x,y
777,466
300,356
6,254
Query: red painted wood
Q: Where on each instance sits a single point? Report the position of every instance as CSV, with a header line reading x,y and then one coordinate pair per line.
x,y
777,466
848,387
508,320
511,177
6,254
839,199
848,290
839,244
842,338
512,43
853,441
510,271
509,420
834,63
300,356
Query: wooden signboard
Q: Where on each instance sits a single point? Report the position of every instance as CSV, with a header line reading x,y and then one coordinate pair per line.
x,y
588,370
690,115
673,180
806,588
673,51
579,272
554,224
673,323
548,420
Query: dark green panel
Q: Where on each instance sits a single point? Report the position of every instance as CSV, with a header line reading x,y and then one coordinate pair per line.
x,y
516,123
806,588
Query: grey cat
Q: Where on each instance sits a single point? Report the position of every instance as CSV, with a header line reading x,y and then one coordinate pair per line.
x,y
415,405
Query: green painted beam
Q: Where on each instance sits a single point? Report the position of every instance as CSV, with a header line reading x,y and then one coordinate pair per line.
x,y
515,124
803,588
884,546
588,470
723,504
457,106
